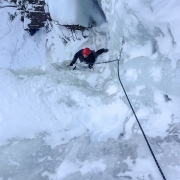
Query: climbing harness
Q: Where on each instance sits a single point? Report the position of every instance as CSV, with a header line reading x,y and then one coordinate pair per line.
x,y
123,42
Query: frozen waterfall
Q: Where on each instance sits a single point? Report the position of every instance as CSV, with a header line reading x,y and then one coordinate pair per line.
x,y
60,124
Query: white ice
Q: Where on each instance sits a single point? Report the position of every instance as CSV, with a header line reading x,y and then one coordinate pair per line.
x,y
57,123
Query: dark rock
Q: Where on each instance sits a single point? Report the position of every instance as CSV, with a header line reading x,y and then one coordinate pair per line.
x,y
35,12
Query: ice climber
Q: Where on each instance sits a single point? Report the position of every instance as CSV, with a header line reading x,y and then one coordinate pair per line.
x,y
88,56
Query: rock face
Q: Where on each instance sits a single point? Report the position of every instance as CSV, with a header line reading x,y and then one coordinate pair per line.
x,y
35,15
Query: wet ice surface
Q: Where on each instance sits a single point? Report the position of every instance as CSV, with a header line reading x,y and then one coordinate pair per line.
x,y
89,140
62,124
34,159
40,160
81,158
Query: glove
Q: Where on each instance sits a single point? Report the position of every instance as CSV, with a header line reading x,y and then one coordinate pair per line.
x,y
90,66
106,50
71,64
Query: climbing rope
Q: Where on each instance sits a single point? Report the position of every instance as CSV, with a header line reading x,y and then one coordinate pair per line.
x,y
118,59
123,42
98,62
104,62
8,6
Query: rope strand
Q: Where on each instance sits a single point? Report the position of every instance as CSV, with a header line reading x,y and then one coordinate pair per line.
x,y
137,118
152,153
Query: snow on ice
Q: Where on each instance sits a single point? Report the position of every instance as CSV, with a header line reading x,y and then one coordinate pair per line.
x,y
57,123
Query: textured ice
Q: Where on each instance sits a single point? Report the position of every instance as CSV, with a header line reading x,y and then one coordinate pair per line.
x,y
56,123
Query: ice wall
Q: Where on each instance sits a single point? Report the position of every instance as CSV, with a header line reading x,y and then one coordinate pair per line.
x,y
151,38
76,12
75,125
149,67
19,49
